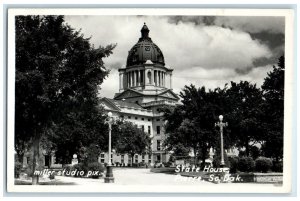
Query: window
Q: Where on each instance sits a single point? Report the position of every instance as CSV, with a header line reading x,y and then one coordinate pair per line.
x,y
158,130
149,130
143,158
136,118
136,158
122,158
157,119
149,119
149,77
158,158
102,158
142,119
143,128
158,145
129,117
149,158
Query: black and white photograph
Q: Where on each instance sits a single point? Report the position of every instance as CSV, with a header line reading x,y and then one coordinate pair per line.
x,y
150,100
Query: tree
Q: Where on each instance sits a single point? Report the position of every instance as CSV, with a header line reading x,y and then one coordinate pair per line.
x,y
192,123
273,107
245,114
130,139
58,74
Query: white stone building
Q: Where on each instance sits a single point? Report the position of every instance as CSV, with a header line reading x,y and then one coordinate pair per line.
x,y
145,85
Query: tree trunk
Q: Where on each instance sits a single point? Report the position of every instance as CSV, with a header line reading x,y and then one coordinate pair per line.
x,y
195,156
247,148
203,158
35,161
132,159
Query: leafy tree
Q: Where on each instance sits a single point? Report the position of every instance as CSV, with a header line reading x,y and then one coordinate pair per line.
x,y
245,114
192,123
57,77
273,107
130,139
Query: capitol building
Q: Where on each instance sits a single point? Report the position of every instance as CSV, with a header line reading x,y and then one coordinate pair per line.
x,y
145,85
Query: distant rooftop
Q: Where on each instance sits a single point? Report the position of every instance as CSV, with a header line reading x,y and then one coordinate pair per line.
x,y
122,103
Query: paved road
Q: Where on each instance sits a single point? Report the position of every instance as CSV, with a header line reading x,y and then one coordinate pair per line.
x,y
131,176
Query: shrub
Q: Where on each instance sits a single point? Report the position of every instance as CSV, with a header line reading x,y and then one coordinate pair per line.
x,y
277,166
95,166
242,154
157,164
233,164
263,164
68,169
135,164
217,159
18,168
254,152
246,164
167,164
118,164
142,164
79,167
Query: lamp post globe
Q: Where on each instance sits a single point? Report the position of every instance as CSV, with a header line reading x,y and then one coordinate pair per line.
x,y
221,125
109,178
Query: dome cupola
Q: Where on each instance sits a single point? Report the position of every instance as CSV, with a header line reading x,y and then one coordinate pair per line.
x,y
145,50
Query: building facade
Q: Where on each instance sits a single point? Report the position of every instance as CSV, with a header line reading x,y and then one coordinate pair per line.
x,y
145,85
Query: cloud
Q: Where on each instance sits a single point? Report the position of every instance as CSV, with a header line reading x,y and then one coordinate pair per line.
x,y
210,47
206,47
253,24
250,24
213,78
110,85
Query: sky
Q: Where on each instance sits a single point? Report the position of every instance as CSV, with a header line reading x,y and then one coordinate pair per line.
x,y
205,51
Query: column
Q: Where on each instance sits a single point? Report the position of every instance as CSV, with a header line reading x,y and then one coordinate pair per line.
x,y
142,79
131,79
158,78
152,77
170,80
127,80
122,78
124,81
119,81
139,78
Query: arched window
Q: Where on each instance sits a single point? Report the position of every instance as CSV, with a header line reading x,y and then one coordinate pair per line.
x,y
149,77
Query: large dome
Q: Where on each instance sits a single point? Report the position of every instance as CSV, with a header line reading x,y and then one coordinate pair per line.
x,y
145,50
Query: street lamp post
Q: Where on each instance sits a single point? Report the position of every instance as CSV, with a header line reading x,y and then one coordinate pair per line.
x,y
109,178
221,125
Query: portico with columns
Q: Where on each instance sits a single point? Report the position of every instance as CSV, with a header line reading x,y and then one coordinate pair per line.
x,y
145,85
